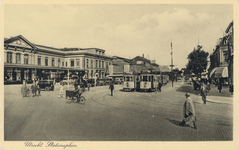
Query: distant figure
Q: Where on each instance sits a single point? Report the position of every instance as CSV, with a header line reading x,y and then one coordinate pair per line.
x,y
219,87
34,89
159,86
88,85
231,88
188,112
78,91
208,86
111,88
61,94
204,93
190,80
24,89
38,89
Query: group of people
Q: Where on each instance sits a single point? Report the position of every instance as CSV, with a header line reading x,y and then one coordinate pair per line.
x,y
34,89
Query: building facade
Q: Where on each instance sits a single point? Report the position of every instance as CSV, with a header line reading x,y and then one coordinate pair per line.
x,y
24,60
221,66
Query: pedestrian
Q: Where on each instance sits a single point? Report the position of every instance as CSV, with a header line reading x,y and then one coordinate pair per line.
x,y
88,84
111,88
61,94
38,90
188,112
24,89
159,86
204,93
231,88
219,87
208,86
34,89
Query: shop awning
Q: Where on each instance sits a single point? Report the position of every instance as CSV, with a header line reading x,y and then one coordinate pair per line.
x,y
219,72
32,66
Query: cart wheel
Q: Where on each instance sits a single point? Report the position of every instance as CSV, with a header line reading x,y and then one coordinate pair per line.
x,y
74,99
47,88
69,100
82,100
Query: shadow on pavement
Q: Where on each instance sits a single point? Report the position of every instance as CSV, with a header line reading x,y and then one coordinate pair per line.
x,y
176,122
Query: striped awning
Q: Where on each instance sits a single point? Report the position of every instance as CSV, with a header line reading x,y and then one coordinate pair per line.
x,y
219,72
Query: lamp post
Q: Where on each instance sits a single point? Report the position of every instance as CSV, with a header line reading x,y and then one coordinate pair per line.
x,y
68,77
172,75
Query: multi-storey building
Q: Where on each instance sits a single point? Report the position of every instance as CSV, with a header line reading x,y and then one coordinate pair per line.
x,y
222,57
24,60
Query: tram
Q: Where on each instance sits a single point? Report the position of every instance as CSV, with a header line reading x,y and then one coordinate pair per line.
x,y
149,82
143,81
131,82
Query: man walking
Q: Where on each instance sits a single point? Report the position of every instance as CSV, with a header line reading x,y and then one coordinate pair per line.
x,y
159,86
111,88
188,112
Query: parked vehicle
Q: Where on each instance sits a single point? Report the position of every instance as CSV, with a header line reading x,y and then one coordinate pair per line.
x,y
46,84
103,81
91,81
118,81
65,81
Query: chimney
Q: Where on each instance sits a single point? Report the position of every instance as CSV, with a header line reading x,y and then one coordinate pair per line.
x,y
143,55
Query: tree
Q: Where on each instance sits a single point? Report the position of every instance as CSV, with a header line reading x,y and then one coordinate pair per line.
x,y
197,60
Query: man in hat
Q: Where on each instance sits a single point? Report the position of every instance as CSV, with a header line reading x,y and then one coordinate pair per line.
x,y
188,111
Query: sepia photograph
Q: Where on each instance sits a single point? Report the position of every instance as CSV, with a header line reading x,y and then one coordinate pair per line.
x,y
77,73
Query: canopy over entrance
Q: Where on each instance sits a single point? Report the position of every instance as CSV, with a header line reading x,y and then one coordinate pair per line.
x,y
219,72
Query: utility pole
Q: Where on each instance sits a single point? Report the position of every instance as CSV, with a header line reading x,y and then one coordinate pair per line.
x,y
172,75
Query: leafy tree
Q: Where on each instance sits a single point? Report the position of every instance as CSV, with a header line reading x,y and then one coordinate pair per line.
x,y
197,60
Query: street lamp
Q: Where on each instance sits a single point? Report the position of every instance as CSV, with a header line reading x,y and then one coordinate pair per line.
x,y
68,77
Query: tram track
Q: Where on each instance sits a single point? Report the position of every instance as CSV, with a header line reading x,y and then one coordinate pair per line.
x,y
122,103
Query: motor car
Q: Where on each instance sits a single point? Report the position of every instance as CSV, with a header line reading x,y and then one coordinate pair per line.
x,y
118,81
103,81
91,81
65,81
46,84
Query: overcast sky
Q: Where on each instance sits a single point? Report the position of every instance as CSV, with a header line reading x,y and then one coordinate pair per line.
x,y
122,30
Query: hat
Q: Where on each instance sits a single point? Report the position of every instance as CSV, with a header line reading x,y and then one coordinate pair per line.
x,y
187,94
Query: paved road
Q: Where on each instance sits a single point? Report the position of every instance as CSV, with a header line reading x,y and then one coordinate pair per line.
x,y
127,116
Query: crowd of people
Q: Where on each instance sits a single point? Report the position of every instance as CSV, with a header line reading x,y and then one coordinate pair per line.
x,y
34,89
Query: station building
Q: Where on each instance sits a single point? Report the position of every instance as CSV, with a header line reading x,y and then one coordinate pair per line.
x,y
24,60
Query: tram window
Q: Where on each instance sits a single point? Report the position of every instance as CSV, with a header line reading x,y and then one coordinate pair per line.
x,y
131,78
145,78
127,78
149,78
137,78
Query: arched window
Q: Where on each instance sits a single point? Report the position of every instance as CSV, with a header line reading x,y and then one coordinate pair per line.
x,y
25,58
18,58
9,57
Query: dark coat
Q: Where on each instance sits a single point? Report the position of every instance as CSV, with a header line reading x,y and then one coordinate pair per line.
x,y
111,87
